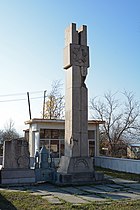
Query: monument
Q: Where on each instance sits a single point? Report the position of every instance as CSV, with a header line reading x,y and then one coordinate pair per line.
x,y
44,170
76,166
16,163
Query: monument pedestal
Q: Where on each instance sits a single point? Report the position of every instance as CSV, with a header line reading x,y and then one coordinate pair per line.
x,y
76,170
17,176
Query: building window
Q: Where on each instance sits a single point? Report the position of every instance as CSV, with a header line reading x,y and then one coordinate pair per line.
x,y
52,134
91,148
54,148
91,134
62,147
45,134
53,139
61,134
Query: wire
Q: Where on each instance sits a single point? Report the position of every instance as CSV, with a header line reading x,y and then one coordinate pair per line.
x,y
13,100
21,99
17,94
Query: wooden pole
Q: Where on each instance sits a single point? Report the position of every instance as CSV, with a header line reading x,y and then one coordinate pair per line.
x,y
29,105
44,104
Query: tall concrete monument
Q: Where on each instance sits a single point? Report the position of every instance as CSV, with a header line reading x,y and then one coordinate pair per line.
x,y
76,166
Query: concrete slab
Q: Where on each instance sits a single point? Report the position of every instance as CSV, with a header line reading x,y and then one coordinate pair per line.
x,y
113,196
132,185
52,199
41,192
106,188
91,190
66,196
123,181
135,191
91,198
116,186
127,195
73,190
119,195
69,198
45,187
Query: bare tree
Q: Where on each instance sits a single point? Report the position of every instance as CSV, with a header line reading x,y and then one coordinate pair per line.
x,y
54,105
9,131
121,118
9,125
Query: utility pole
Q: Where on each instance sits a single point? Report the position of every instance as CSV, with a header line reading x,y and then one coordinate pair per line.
x,y
44,104
29,105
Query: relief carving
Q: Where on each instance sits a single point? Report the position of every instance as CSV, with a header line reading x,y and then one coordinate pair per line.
x,y
23,162
81,164
80,55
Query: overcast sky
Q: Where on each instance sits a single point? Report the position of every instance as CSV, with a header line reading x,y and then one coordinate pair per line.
x,y
31,50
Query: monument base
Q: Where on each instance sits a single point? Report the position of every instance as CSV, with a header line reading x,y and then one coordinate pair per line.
x,y
77,170
17,176
45,175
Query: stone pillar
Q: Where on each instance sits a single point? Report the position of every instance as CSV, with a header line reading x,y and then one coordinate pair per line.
x,y
31,142
75,166
37,141
76,62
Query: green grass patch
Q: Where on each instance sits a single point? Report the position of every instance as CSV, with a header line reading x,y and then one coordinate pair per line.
x,y
21,200
25,201
117,174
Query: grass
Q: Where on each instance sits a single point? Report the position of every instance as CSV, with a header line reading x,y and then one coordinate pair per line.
x,y
21,200
117,174
26,201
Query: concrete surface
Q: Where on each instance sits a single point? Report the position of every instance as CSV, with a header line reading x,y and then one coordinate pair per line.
x,y
120,189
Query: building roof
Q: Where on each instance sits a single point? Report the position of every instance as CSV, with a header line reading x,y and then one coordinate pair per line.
x,y
41,120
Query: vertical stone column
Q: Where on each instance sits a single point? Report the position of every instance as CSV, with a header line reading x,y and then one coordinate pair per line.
x,y
37,141
76,166
76,62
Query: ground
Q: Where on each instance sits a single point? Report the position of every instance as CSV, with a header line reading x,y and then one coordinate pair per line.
x,y
116,193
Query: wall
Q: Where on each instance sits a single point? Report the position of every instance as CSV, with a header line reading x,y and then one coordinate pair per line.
x,y
118,164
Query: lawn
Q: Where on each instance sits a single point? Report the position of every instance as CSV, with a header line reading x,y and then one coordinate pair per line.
x,y
26,201
117,174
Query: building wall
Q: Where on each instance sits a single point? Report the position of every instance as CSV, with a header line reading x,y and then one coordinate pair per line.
x,y
34,139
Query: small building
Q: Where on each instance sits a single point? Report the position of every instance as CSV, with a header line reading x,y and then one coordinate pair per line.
x,y
51,133
133,151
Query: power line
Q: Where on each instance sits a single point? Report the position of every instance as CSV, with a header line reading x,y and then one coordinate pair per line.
x,y
13,100
17,94
20,94
20,99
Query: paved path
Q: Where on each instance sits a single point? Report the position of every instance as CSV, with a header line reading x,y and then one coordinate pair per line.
x,y
120,189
